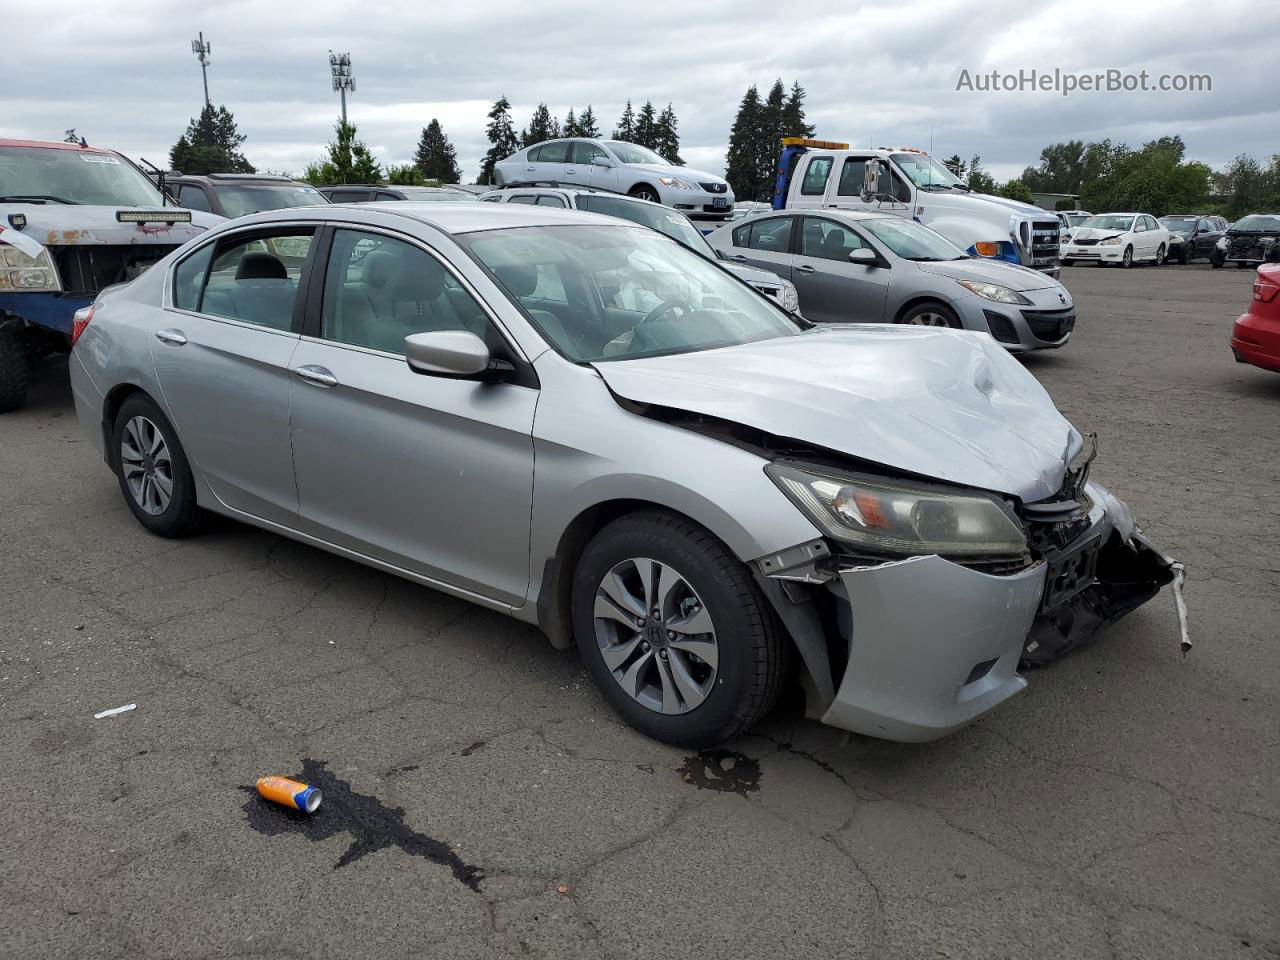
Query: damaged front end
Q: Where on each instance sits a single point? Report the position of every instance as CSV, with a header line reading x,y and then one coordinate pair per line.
x,y
913,648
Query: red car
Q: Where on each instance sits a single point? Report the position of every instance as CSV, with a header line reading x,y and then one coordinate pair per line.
x,y
1256,337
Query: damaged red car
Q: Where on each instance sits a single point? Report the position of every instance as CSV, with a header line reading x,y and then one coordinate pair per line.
x,y
1256,337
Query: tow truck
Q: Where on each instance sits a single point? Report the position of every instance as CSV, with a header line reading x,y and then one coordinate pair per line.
x,y
907,182
74,219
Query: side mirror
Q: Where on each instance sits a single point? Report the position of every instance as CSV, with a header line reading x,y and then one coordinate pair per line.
x,y
447,353
720,254
601,162
864,256
871,179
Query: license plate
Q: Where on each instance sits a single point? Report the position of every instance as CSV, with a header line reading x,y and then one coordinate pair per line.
x,y
1070,572
720,203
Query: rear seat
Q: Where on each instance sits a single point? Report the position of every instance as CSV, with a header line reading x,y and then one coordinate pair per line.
x,y
261,293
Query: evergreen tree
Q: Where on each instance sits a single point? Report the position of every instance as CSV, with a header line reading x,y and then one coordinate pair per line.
x,y
742,167
502,135
435,157
541,127
348,160
769,136
587,124
406,175
668,144
626,128
793,120
647,126
570,125
210,145
979,180
955,165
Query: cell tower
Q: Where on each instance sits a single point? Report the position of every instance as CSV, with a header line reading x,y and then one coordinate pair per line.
x,y
200,47
343,79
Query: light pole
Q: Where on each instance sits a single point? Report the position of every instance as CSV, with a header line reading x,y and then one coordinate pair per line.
x,y
200,47
340,67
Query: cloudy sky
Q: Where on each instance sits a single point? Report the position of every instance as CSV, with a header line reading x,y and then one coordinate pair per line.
x,y
124,76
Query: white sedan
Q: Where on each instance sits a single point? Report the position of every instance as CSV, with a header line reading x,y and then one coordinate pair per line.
x,y
1123,238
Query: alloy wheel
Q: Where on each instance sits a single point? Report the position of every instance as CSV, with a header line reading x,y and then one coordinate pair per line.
x,y
146,465
928,318
656,636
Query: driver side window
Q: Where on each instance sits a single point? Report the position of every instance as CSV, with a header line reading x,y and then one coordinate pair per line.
x,y
828,240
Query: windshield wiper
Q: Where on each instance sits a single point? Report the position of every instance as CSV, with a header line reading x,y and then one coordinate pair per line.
x,y
36,198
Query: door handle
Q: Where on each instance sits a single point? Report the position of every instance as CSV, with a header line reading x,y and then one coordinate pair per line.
x,y
318,376
805,268
175,337
738,258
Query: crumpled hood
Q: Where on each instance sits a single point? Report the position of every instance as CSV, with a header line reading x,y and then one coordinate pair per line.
x,y
944,404
1009,275
59,225
684,173
1093,233
750,274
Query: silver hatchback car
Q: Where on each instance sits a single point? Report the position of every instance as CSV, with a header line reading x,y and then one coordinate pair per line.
x,y
851,266
474,397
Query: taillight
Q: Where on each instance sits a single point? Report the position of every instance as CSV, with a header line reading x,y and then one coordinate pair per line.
x,y
1266,292
79,320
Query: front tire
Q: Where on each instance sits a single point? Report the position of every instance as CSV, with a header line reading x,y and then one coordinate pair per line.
x,y
674,632
931,315
646,192
13,369
1160,254
152,469
1127,262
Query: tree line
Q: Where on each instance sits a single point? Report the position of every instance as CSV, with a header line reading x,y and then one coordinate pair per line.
x,y
1156,178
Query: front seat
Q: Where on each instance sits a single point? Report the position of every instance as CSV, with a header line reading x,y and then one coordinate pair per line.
x,y
521,281
264,294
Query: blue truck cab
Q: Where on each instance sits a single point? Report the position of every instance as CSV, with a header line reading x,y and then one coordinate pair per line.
x,y
74,219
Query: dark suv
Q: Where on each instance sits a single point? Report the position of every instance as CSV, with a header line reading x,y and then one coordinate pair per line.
x,y
239,194
366,192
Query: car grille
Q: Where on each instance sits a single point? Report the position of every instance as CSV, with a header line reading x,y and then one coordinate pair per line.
x,y
86,269
1253,248
1085,243
1050,324
1041,237
715,187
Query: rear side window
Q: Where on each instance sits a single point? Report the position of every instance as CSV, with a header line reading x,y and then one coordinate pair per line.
x,y
257,280
852,175
188,278
557,152
348,196
773,235
815,177
828,239
549,200
524,198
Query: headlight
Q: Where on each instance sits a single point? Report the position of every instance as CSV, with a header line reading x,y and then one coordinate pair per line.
x,y
20,272
790,297
898,518
1175,238
994,250
1111,241
677,183
993,291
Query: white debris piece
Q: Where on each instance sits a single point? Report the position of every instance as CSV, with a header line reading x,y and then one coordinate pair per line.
x,y
115,711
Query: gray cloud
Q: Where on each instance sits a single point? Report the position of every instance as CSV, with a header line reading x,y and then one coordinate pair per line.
x,y
122,73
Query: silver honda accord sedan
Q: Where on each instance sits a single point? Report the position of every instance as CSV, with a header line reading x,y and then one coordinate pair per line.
x,y
705,494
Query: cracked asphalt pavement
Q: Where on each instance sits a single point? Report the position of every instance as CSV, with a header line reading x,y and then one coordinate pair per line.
x,y
484,802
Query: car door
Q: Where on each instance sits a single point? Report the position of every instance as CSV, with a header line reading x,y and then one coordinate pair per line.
x,y
429,474
222,355
831,288
1205,237
558,154
1138,238
584,158
813,171
765,242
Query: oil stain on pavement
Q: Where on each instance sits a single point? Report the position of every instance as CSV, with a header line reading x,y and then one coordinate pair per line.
x,y
723,770
371,824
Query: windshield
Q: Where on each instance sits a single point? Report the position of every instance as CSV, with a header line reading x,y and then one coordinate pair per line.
x,y
619,292
239,199
434,193
1182,225
926,172
1257,222
55,175
911,241
663,219
1109,221
634,153
1075,219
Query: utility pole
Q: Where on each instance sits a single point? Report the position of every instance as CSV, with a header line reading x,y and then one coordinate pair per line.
x,y
200,47
343,80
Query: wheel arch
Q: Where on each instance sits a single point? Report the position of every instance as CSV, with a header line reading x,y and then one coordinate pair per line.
x,y
921,300
645,184
111,405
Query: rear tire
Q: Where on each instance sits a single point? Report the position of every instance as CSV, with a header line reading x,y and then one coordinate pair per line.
x,y
703,582
13,369
931,315
152,469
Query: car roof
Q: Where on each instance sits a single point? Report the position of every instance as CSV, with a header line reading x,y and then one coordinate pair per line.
x,y
452,218
231,178
55,145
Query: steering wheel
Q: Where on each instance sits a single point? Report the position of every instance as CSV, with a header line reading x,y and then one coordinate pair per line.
x,y
665,307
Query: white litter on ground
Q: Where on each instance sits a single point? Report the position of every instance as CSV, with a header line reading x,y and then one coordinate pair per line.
x,y
115,710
